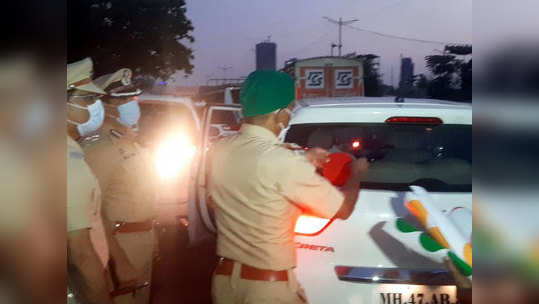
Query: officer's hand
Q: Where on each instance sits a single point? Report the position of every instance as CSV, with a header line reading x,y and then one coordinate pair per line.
x,y
317,156
126,275
292,146
360,166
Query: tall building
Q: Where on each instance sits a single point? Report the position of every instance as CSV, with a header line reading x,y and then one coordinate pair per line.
x,y
406,82
266,56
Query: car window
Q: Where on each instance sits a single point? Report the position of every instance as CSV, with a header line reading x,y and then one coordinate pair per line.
x,y
223,123
437,157
225,117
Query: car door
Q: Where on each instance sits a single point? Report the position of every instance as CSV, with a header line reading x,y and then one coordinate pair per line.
x,y
169,129
218,121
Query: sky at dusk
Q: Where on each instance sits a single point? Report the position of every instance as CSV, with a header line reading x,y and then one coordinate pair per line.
x,y
226,31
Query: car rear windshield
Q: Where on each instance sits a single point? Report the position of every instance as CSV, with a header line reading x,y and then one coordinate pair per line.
x,y
437,157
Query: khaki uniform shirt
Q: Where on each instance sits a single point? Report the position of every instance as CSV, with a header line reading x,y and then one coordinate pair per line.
x,y
18,191
84,200
126,176
259,189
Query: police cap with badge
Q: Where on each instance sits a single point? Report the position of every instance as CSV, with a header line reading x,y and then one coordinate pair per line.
x,y
119,87
118,84
79,77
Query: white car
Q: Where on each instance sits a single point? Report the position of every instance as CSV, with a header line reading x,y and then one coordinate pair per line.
x,y
411,142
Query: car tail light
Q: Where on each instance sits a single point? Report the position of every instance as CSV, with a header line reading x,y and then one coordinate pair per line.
x,y
310,225
414,120
356,144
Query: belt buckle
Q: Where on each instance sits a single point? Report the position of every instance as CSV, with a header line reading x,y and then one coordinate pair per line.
x,y
118,226
141,286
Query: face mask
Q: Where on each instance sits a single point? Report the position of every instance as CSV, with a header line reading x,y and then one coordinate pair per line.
x,y
129,114
97,116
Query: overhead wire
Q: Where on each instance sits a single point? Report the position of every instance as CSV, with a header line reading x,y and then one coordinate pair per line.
x,y
299,50
404,38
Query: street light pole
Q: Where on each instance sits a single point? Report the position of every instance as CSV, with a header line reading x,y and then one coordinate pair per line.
x,y
340,35
340,23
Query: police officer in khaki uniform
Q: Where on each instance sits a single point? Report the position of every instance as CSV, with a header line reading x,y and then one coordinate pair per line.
x,y
259,188
126,176
87,250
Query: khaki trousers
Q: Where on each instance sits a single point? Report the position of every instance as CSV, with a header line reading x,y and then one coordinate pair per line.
x,y
139,247
233,289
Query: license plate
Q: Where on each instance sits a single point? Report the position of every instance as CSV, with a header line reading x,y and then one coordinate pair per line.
x,y
415,294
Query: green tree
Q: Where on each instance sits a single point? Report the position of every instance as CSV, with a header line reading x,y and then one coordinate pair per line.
x,y
371,74
458,49
421,85
466,80
144,35
452,73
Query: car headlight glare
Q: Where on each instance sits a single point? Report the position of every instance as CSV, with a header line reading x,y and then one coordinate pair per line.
x,y
173,156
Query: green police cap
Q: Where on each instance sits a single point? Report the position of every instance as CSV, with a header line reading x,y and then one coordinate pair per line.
x,y
266,91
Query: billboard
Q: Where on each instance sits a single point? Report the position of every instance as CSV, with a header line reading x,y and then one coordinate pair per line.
x,y
330,82
344,78
314,79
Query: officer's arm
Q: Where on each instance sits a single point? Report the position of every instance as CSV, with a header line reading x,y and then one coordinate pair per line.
x,y
350,190
296,178
86,274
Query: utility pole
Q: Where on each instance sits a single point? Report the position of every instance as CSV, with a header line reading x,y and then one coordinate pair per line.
x,y
340,23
